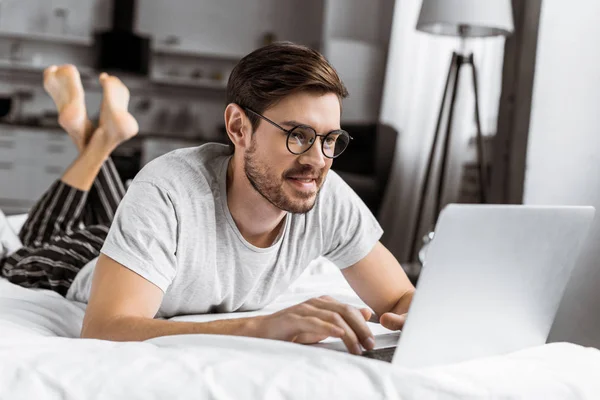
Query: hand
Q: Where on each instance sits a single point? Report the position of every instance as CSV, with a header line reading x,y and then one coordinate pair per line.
x,y
317,319
392,321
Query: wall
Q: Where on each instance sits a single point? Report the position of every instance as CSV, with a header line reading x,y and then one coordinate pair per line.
x,y
563,157
356,35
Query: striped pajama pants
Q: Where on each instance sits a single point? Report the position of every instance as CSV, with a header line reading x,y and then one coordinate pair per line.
x,y
65,230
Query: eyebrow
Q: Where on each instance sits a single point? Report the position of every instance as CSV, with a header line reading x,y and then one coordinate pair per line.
x,y
293,124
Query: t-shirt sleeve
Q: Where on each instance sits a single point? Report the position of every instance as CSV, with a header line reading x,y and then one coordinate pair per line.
x,y
351,230
143,235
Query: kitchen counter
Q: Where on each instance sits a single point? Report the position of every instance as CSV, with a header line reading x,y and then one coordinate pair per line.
x,y
56,129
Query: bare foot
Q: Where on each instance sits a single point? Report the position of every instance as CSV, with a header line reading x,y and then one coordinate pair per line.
x,y
116,122
63,84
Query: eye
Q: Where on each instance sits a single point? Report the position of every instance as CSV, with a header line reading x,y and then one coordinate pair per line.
x,y
302,135
330,140
299,136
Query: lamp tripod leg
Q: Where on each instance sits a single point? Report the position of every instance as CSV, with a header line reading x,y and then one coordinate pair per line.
x,y
422,200
483,181
447,143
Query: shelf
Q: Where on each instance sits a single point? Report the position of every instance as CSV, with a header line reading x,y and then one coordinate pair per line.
x,y
187,82
48,37
135,83
89,41
19,66
175,51
26,66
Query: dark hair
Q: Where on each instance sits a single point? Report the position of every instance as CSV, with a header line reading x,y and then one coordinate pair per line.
x,y
270,73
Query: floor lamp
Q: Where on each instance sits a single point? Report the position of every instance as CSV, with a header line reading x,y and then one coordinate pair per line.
x,y
464,19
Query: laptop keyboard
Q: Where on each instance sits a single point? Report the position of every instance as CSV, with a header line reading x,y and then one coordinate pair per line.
x,y
382,354
385,346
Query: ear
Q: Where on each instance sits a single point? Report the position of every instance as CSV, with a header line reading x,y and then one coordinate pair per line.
x,y
238,126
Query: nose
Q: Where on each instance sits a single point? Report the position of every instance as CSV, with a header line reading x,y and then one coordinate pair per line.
x,y
314,156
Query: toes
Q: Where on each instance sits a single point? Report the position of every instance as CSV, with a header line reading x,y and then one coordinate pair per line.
x,y
58,74
107,80
110,80
68,70
116,94
50,70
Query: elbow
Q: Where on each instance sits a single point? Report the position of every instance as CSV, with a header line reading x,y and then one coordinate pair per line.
x,y
93,328
116,328
89,331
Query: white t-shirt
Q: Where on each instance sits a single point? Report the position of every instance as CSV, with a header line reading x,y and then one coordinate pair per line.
x,y
174,229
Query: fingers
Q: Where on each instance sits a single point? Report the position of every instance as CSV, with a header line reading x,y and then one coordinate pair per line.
x,y
354,317
366,313
315,327
393,321
320,318
349,337
351,320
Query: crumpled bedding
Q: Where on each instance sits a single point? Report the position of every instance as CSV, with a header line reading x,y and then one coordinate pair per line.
x,y
41,358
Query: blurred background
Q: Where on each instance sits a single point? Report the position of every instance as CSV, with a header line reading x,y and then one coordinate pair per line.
x,y
175,57
526,121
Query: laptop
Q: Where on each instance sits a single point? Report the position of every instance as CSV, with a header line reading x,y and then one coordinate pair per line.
x,y
491,284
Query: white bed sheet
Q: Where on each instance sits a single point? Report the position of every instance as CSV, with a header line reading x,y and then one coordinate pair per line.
x,y
39,358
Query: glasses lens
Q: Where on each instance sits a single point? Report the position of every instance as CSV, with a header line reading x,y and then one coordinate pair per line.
x,y
335,143
300,139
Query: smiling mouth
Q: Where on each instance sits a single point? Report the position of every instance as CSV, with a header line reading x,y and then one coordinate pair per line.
x,y
303,184
306,180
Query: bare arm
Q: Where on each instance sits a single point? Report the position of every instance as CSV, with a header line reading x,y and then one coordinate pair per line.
x,y
122,307
123,304
380,281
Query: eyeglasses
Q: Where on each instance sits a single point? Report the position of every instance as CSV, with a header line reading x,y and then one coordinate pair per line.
x,y
301,138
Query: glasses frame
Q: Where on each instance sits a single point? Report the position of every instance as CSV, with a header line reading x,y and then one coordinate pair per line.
x,y
290,131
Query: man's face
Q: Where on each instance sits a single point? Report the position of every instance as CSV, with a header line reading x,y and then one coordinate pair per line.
x,y
288,181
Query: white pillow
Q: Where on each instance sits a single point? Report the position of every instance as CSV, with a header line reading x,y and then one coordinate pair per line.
x,y
16,222
9,240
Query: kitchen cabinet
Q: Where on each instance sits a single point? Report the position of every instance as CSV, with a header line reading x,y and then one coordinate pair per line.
x,y
68,18
353,34
30,160
227,28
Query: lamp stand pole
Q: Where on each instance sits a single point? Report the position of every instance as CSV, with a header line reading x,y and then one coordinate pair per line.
x,y
456,63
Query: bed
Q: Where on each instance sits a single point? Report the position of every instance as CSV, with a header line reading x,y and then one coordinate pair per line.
x,y
42,358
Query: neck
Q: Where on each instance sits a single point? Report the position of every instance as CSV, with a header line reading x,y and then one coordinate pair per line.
x,y
257,219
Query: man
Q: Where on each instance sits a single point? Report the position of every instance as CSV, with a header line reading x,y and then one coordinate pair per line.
x,y
202,230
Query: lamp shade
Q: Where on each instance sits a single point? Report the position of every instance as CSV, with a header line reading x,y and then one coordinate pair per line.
x,y
466,18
